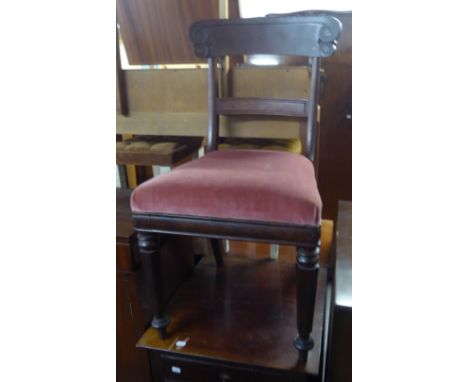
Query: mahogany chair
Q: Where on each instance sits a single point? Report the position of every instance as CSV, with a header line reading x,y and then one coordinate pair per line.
x,y
250,195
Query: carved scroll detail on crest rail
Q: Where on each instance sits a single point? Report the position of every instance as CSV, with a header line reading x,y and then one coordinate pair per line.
x,y
313,36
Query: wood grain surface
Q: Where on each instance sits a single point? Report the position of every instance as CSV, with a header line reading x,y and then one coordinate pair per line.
x,y
244,312
156,31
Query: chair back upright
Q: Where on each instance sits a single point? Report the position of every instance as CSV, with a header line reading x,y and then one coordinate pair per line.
x,y
312,36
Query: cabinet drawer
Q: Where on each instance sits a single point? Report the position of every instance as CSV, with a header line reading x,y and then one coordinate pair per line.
x,y
186,369
181,369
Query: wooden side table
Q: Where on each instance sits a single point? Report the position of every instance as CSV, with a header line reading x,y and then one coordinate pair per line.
x,y
236,324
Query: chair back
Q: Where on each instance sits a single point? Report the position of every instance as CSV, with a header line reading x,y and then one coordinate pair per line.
x,y
313,36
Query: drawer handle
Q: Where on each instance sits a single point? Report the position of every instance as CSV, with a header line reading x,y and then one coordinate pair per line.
x,y
224,377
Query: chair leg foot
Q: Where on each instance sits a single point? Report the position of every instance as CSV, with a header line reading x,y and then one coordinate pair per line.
x,y
161,324
303,344
307,267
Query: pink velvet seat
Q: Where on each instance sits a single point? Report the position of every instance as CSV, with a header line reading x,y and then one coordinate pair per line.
x,y
254,185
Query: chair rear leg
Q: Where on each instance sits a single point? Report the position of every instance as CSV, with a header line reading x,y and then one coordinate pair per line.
x,y
215,245
307,267
226,246
150,253
274,251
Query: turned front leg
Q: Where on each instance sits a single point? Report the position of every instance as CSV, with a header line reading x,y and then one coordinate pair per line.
x,y
150,252
307,267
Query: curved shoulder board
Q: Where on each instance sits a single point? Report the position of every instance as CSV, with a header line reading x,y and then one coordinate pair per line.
x,y
312,36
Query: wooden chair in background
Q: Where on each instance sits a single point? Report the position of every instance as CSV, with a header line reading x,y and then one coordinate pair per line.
x,y
162,153
251,195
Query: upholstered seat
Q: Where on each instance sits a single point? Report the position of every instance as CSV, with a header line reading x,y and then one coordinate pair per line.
x,y
258,185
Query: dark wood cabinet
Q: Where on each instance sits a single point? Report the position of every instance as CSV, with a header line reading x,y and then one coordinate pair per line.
x,y
132,315
335,144
340,339
131,318
132,364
